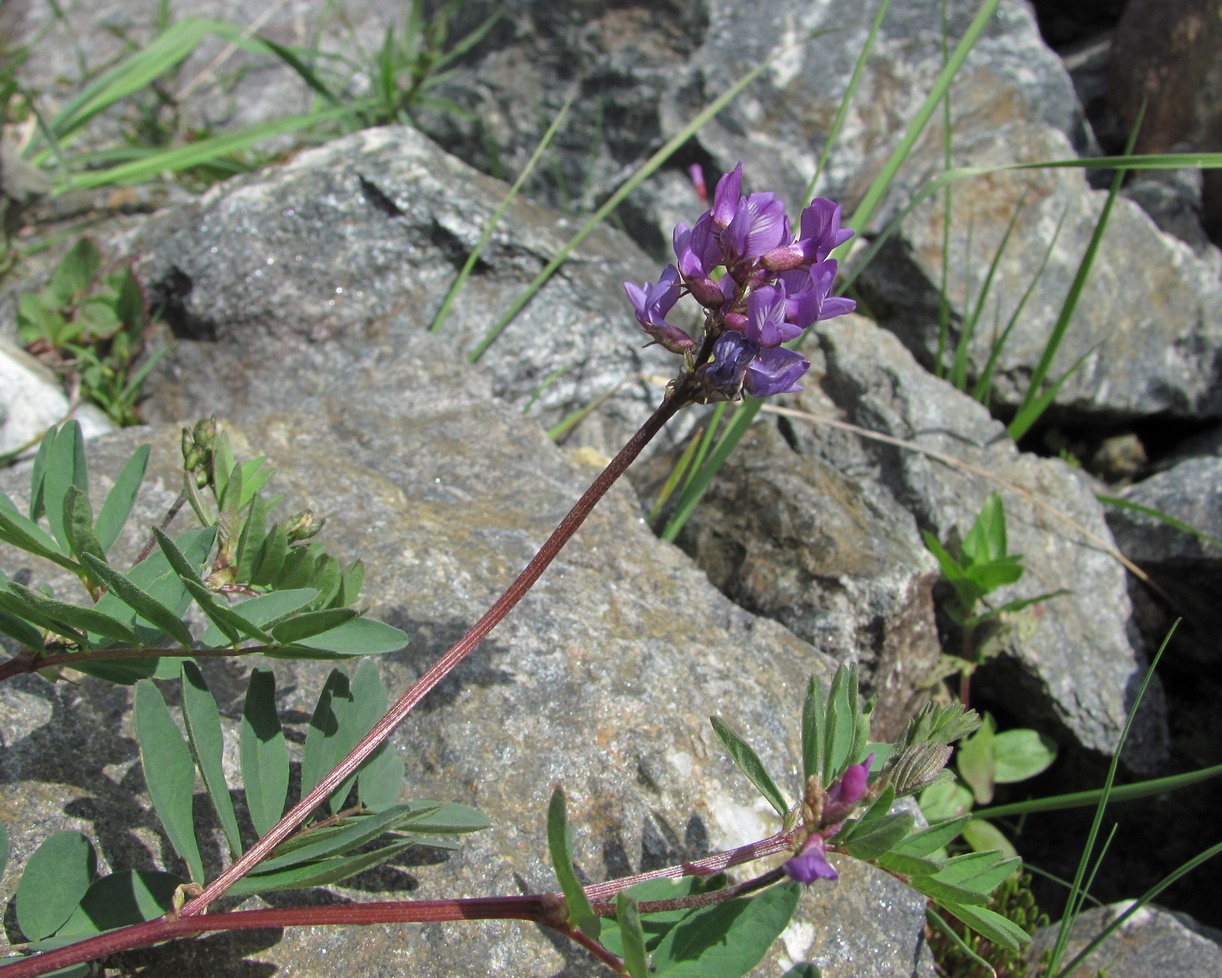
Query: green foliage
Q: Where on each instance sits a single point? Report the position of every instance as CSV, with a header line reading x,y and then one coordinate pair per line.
x,y
290,597
961,952
560,848
89,324
60,897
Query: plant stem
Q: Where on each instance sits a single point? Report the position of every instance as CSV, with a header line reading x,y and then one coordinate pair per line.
x,y
444,665
539,908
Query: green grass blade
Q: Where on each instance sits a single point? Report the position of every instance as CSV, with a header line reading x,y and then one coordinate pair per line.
x,y
169,773
1029,410
194,154
842,110
465,272
984,383
1138,904
1166,518
1077,891
612,202
1084,799
203,724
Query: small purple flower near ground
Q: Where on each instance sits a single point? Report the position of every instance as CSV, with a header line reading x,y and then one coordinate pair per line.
x,y
811,863
759,284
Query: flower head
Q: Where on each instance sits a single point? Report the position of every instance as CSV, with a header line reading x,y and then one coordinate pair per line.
x,y
759,283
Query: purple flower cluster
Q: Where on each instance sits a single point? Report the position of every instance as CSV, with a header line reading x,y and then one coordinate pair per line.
x,y
773,284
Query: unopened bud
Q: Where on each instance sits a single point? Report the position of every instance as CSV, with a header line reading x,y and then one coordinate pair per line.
x,y
302,526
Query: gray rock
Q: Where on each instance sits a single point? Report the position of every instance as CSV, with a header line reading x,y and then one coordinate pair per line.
x,y
32,399
1069,665
1186,568
652,68
841,565
601,680
1151,942
1147,331
346,253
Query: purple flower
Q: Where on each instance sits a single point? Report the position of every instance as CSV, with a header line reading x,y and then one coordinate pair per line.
x,y
725,197
774,371
758,226
844,795
811,863
652,303
820,232
766,322
698,253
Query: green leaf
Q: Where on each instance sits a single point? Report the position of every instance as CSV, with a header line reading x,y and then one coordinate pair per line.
x,y
75,616
55,879
261,611
320,873
445,818
841,724
75,272
328,738
728,939
269,561
203,724
225,621
310,623
945,800
38,473
813,721
361,636
986,540
263,753
632,935
169,773
66,467
926,842
750,764
20,532
78,524
975,762
353,833
16,625
990,925
560,847
981,872
138,599
983,836
12,602
120,899
380,778
1022,754
657,925
121,498
880,836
